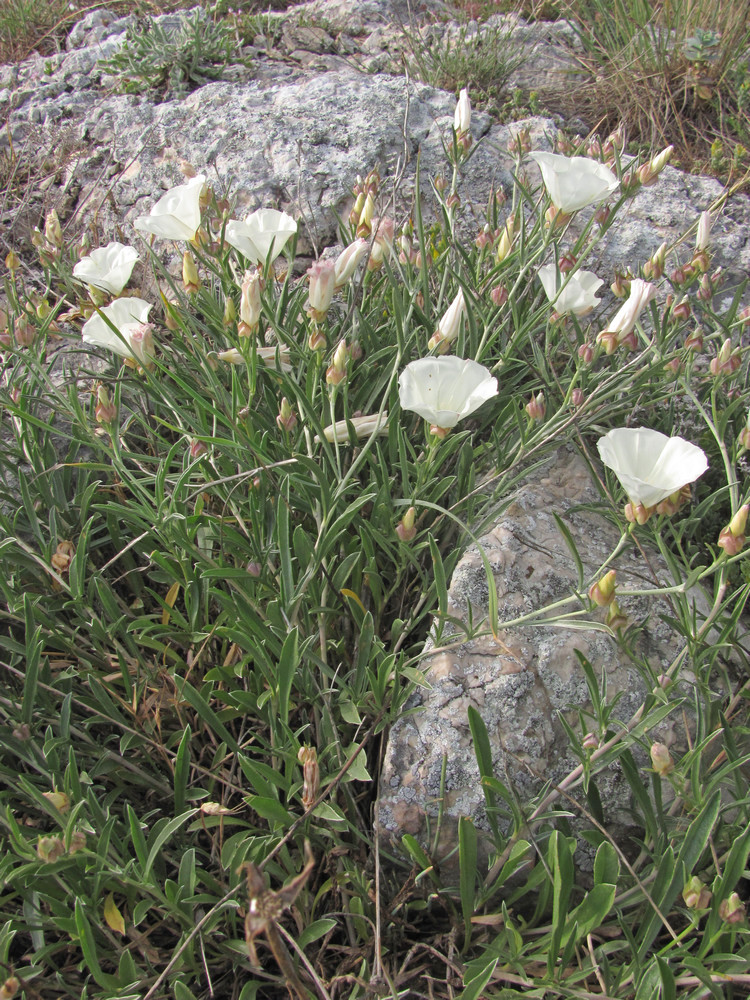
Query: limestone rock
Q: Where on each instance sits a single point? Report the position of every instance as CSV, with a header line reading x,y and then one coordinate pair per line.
x,y
522,683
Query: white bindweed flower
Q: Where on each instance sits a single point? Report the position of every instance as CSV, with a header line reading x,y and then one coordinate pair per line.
x,y
364,426
130,317
272,357
650,465
450,324
177,215
263,233
622,323
573,182
578,296
108,268
444,390
462,114
348,261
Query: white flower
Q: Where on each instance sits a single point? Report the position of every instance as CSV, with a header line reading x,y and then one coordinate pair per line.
x,y
365,426
177,215
108,268
444,390
622,323
262,233
348,261
578,295
573,182
130,317
462,114
650,465
268,355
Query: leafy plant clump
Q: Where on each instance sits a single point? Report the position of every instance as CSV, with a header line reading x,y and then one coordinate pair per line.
x,y
160,58
224,539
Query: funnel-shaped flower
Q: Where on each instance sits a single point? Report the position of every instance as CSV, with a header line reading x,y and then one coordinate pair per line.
x,y
622,323
444,390
573,182
130,317
650,465
364,426
579,294
462,114
108,268
262,233
177,215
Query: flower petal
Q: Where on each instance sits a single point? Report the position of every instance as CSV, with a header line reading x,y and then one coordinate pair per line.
x,y
177,215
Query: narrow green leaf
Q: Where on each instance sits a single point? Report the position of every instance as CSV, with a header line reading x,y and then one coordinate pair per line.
x,y
182,772
467,865
288,663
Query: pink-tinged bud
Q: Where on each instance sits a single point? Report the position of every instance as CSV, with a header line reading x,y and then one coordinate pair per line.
x,y
563,145
621,285
251,306
664,681
695,894
616,619
732,538
624,320
356,212
616,139
77,843
499,295
743,438
636,513
322,277
253,569
726,361
364,223
24,332
717,278
348,261
654,266
372,183
732,909
586,353
406,528
49,849
308,758
744,316
555,218
661,759
590,742
190,280
536,407
630,183
674,366
142,345
681,310
337,372
594,148
440,184
286,418
566,263
649,172
694,342
608,340
485,238
700,262
59,800
382,245
602,593
520,142
53,230
671,504
449,326
453,200
601,216
105,411
577,398
317,340
705,289
197,449
506,240
62,557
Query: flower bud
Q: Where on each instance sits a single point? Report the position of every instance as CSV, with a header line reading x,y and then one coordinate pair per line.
x,y
649,172
9,988
536,407
732,909
590,742
462,115
406,529
506,240
190,280
637,513
450,324
732,538
726,361
77,842
141,341
197,448
601,216
654,266
253,569
602,593
586,353
364,223
337,372
704,232
566,263
63,557
308,758
382,245
694,342
59,800
563,145
661,759
671,504
359,204
251,305
230,312
12,262
616,619
286,418
49,849
744,435
499,295
577,398
53,230
322,277
681,310
695,894
621,285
